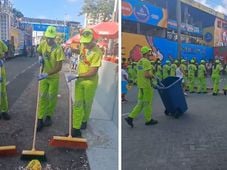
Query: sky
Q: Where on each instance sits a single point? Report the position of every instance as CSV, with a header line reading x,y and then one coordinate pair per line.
x,y
218,5
51,9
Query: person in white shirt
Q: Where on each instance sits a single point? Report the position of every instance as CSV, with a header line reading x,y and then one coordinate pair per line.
x,y
180,74
124,83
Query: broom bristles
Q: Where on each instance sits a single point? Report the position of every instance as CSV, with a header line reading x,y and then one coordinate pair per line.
x,y
68,142
33,154
8,150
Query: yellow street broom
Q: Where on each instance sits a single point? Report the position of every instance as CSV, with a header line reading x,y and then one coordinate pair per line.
x,y
9,150
69,141
33,153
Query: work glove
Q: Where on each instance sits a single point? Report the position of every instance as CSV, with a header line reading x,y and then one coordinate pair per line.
x,y
1,62
41,60
42,76
71,77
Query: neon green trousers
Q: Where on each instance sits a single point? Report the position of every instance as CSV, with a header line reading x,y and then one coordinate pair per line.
x,y
216,81
84,95
145,98
3,92
48,91
202,86
191,83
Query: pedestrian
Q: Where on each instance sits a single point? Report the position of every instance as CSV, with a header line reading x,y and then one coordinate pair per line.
x,y
184,68
145,90
202,87
4,108
173,68
191,75
180,74
87,81
124,83
215,76
166,69
158,69
52,58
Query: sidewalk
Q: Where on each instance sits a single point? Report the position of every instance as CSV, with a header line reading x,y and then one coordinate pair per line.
x,y
102,132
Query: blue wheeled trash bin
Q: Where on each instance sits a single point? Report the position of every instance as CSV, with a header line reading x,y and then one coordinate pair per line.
x,y
172,95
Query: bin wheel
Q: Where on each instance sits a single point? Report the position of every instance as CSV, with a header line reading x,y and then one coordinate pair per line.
x,y
166,113
177,114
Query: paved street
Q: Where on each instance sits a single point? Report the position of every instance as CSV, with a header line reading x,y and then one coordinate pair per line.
x,y
196,141
22,91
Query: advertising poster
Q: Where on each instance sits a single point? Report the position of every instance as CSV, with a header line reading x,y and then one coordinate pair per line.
x,y
143,12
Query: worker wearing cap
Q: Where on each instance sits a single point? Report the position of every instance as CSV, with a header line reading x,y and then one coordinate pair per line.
x,y
145,90
3,98
51,57
166,69
191,75
215,76
86,84
158,69
202,87
132,72
173,68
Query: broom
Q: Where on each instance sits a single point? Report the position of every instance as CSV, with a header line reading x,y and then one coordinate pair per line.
x,y
11,149
69,141
33,153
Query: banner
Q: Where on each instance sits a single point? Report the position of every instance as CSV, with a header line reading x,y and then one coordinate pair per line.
x,y
144,12
184,27
43,27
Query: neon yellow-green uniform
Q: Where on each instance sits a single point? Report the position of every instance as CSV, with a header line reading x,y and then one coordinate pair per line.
x,y
184,68
225,87
132,72
173,68
215,76
85,88
48,87
3,91
159,71
166,71
202,87
145,91
191,76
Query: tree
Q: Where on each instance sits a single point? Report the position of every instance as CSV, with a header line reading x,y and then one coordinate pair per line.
x,y
17,13
96,8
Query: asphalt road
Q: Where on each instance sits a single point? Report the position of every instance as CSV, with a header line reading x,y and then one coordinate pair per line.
x,y
22,91
195,141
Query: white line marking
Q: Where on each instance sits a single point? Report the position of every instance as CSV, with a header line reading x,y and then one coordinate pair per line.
x,y
8,82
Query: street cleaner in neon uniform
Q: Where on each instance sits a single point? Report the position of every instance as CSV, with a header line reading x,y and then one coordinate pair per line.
x,y
145,90
4,101
86,81
216,76
51,58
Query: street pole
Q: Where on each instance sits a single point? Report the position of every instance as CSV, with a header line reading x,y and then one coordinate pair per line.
x,y
178,12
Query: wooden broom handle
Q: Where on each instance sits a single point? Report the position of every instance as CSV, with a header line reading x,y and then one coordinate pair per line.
x,y
36,113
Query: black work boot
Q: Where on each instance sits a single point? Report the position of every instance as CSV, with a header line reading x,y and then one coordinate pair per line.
x,y
5,116
225,92
76,133
151,122
40,125
48,121
129,120
84,125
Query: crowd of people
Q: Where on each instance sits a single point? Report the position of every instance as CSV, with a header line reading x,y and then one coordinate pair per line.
x,y
146,73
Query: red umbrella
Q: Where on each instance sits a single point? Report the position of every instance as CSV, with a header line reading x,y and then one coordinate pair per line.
x,y
106,29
